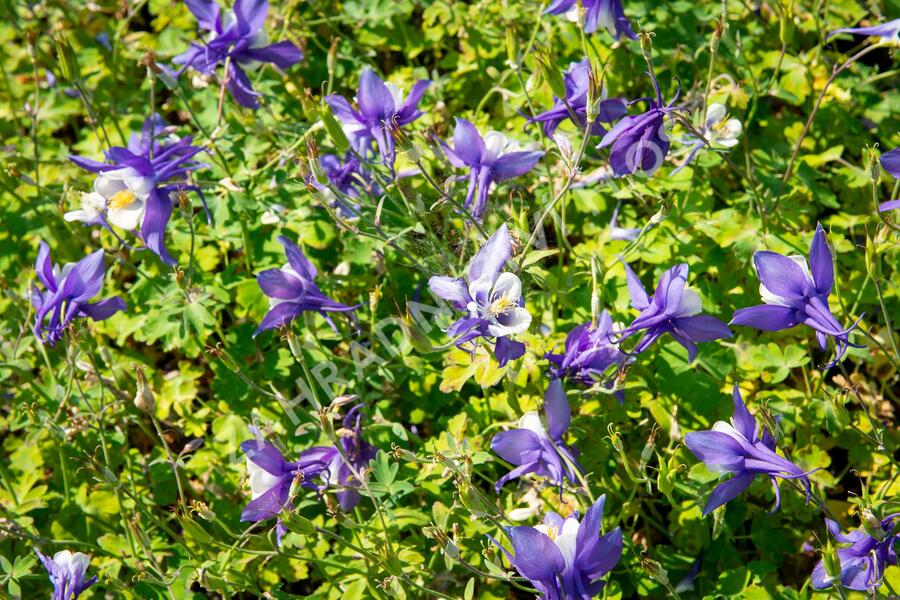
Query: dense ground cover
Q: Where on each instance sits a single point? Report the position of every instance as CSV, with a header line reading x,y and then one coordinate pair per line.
x,y
463,334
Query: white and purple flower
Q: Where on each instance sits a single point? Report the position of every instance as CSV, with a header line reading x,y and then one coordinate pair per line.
x,y
674,309
381,106
796,292
538,447
491,299
492,158
67,571
607,14
237,37
133,190
864,558
589,353
292,290
578,83
890,162
737,448
565,559
66,294
889,32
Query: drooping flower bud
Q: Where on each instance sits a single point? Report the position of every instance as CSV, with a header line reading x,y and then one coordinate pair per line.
x,y
144,399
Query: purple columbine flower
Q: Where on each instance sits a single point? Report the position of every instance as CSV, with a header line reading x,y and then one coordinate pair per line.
x,y
536,448
492,300
589,352
292,290
796,292
237,37
381,106
67,572
889,32
673,309
865,559
133,190
348,177
493,158
890,162
640,142
271,478
608,14
565,559
67,293
626,234
577,82
737,448
336,472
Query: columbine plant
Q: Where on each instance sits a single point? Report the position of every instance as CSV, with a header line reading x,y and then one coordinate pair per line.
x,y
589,353
67,572
796,292
381,106
869,550
492,300
337,473
133,190
674,309
718,130
292,290
607,14
271,478
640,142
238,40
565,559
578,84
66,294
737,448
346,176
536,448
493,158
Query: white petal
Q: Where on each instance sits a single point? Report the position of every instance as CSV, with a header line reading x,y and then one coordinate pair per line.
x,y
498,144
396,94
690,304
76,215
507,285
532,422
714,114
128,217
261,481
518,319
107,186
566,544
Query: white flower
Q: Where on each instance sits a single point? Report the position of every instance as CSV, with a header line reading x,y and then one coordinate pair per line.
x,y
274,215
93,207
497,301
719,130
125,192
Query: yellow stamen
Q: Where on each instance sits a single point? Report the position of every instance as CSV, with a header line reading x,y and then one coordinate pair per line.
x,y
500,305
122,198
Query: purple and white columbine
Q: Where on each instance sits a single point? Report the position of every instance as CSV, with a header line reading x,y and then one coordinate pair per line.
x,y
674,309
565,559
237,38
292,290
589,353
337,473
493,158
864,560
608,14
640,142
889,32
536,448
67,293
492,300
737,448
271,478
347,177
578,83
133,190
796,292
381,106
67,572
890,162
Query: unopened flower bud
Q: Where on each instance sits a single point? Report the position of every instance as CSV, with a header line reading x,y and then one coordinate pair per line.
x,y
872,525
565,147
144,399
786,28
873,166
831,562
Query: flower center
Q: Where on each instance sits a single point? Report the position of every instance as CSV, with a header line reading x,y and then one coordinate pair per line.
x,y
122,198
499,306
